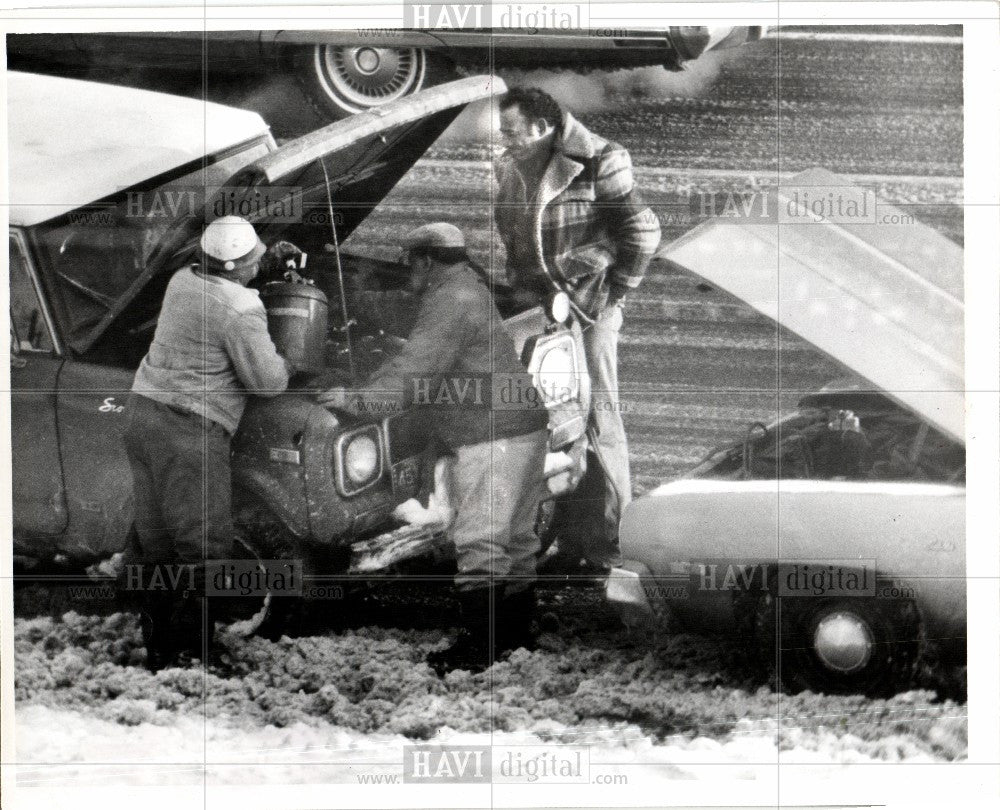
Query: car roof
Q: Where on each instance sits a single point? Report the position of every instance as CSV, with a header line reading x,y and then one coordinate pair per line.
x,y
118,137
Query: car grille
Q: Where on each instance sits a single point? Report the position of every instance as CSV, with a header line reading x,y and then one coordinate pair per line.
x,y
406,434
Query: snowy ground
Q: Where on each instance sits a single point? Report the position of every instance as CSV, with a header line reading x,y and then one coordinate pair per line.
x,y
333,706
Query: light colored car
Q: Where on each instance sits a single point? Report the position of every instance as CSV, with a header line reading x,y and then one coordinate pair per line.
x,y
346,72
834,537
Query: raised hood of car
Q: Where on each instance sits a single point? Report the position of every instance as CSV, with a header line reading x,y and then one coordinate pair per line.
x,y
74,142
884,300
359,159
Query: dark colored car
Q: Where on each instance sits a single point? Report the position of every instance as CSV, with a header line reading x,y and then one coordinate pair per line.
x,y
109,190
345,72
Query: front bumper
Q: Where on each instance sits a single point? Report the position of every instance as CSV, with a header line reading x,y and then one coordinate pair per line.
x,y
377,554
626,591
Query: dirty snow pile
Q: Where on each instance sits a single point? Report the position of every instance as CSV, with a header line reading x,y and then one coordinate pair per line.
x,y
83,698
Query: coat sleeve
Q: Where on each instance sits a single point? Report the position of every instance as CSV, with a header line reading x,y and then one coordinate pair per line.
x,y
258,365
432,349
501,224
632,225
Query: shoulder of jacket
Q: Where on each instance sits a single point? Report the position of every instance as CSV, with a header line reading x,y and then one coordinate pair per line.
x,y
456,292
240,300
606,150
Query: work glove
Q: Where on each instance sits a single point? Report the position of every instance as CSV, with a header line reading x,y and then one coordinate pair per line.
x,y
616,294
337,398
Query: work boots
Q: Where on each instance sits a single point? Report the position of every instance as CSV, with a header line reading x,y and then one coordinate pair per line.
x,y
185,629
515,615
155,609
472,649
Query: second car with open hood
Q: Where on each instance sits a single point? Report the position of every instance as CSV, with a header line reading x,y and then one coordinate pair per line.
x,y
834,537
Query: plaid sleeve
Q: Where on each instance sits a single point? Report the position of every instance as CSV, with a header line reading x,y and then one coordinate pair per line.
x,y
500,221
632,225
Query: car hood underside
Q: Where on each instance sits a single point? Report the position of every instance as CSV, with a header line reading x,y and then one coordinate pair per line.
x,y
886,301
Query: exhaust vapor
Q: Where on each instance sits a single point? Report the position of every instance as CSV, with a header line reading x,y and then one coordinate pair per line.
x,y
593,92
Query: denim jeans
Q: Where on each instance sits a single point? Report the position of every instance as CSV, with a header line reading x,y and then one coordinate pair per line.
x,y
496,488
586,520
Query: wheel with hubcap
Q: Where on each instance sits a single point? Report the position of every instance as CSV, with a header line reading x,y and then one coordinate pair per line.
x,y
342,80
838,645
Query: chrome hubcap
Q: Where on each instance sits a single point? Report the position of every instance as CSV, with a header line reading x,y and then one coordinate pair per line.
x,y
843,642
367,60
365,77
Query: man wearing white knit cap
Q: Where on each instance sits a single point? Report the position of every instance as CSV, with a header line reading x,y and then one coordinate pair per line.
x,y
211,350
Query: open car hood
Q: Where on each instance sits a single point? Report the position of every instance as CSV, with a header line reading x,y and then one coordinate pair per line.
x,y
359,159
886,301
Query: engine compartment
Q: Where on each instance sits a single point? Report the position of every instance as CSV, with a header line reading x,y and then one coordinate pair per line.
x,y
828,439
380,312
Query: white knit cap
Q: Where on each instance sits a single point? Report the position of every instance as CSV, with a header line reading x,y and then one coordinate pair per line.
x,y
232,242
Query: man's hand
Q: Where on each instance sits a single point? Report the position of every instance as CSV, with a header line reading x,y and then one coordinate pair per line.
x,y
616,294
338,398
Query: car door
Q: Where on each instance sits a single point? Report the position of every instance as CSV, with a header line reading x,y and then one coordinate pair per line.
x,y
39,498
90,410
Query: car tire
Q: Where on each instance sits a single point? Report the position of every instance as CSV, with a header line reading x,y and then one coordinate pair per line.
x,y
340,81
295,615
838,645
266,538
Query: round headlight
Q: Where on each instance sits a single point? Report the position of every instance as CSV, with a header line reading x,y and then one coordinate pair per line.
x,y
360,459
559,307
556,374
556,362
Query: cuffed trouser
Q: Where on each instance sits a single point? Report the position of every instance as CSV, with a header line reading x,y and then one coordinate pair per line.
x,y
183,490
588,518
496,488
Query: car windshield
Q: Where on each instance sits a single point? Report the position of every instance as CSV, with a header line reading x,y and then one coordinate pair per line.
x,y
98,251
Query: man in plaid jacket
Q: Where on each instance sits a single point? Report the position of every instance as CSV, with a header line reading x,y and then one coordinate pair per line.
x,y
571,219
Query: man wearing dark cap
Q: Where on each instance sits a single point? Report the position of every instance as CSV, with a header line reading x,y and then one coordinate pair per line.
x,y
211,349
571,219
455,355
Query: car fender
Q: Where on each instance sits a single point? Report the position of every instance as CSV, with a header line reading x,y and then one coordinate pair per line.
x,y
910,535
267,457
252,484
333,517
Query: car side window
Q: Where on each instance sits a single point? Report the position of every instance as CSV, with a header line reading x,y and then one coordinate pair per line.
x,y
94,258
96,253
29,327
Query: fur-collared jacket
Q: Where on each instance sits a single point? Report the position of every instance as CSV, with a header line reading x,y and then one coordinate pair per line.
x,y
586,227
